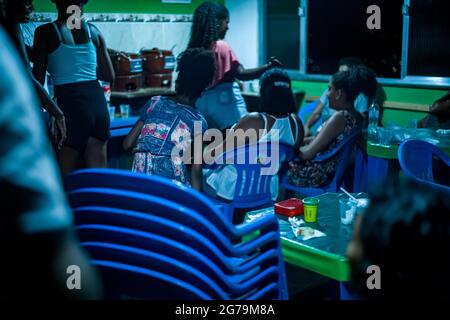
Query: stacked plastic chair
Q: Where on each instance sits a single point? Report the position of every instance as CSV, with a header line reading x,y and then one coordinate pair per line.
x,y
253,184
345,151
156,239
416,160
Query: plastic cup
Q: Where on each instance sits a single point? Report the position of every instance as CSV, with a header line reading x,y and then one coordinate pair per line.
x,y
310,206
112,112
124,110
384,136
348,209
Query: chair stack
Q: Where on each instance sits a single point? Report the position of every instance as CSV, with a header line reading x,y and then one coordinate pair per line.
x,y
153,238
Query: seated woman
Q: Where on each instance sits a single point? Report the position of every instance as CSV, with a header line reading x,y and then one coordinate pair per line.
x,y
278,115
342,92
167,124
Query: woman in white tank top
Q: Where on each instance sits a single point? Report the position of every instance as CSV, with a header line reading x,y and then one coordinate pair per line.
x,y
278,113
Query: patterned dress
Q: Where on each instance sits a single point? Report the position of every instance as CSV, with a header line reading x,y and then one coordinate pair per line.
x,y
167,133
314,174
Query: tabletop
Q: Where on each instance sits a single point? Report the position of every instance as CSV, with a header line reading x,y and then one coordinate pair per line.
x,y
324,255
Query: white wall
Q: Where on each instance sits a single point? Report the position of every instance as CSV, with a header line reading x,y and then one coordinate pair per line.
x,y
244,33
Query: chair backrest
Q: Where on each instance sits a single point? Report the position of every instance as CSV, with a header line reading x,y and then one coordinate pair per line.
x,y
156,207
344,150
416,160
306,111
150,185
255,165
254,278
122,281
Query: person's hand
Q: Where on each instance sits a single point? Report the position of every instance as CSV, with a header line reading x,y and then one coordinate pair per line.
x,y
274,63
61,125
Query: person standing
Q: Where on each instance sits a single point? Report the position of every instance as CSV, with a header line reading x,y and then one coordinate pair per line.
x,y
222,104
77,59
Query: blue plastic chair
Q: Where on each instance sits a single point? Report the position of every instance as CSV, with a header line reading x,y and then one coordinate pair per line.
x,y
252,188
306,111
166,189
345,151
157,237
178,269
149,224
267,246
122,281
235,282
166,209
416,161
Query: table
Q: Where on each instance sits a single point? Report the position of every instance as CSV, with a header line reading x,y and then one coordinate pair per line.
x,y
374,165
138,98
117,157
324,255
120,127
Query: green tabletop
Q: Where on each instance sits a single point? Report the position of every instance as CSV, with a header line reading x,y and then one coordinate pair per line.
x,y
324,255
391,152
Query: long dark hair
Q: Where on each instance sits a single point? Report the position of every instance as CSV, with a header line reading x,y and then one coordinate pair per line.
x,y
196,68
348,82
206,25
276,93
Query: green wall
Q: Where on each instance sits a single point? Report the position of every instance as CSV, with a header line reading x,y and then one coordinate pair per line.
x,y
396,94
127,6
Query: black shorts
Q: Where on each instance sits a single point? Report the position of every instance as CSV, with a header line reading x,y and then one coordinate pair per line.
x,y
86,113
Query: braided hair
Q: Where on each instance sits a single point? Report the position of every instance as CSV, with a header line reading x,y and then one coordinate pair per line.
x,y
196,68
206,24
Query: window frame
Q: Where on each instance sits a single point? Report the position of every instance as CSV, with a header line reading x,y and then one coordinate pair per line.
x,y
405,80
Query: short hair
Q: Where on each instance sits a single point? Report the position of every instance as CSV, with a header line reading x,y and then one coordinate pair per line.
x,y
406,233
350,62
347,81
276,93
196,69
206,24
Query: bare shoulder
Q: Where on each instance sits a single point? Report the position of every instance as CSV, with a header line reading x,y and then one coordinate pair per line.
x,y
96,33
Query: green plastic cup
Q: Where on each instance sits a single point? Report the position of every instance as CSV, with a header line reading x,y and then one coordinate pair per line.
x,y
310,206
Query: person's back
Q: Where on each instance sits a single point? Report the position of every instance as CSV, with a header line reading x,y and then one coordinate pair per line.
x,y
168,124
77,58
166,129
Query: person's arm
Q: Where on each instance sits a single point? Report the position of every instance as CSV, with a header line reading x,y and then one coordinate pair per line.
x,y
130,140
197,177
105,71
38,78
240,73
315,115
330,131
40,55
